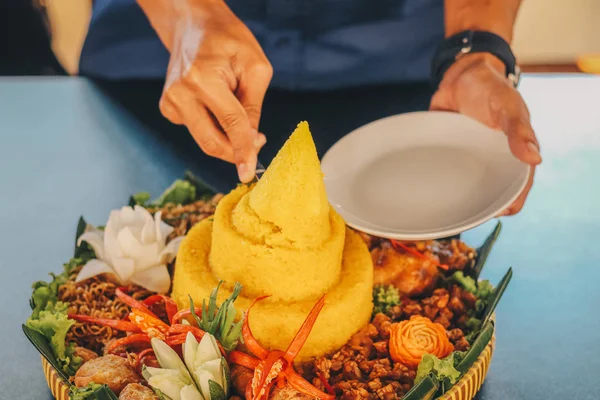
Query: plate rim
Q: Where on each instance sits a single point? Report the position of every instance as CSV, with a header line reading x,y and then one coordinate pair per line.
x,y
438,234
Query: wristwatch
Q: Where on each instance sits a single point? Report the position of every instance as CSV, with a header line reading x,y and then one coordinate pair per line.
x,y
467,42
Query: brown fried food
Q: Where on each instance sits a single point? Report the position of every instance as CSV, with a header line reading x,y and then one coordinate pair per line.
x,y
412,276
240,377
287,393
85,354
110,370
135,391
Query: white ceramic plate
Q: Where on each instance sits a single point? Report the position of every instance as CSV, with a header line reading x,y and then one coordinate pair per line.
x,y
422,175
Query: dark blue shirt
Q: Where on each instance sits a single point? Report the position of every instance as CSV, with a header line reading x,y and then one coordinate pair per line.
x,y
312,44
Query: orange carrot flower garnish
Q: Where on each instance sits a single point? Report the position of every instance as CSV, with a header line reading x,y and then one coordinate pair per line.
x,y
411,339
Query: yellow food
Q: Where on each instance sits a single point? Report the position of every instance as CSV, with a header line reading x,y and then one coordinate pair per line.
x,y
281,238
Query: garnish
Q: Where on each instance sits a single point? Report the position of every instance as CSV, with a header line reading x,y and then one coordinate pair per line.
x,y
410,340
84,393
384,298
180,192
144,325
443,370
53,324
484,291
133,248
399,245
203,373
49,317
219,321
276,366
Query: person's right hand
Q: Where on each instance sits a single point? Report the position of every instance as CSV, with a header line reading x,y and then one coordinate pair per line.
x,y
217,78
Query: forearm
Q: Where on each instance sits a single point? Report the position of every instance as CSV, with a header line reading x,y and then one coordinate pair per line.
x,y
496,16
166,15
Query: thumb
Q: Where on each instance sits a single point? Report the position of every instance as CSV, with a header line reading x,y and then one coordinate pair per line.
x,y
441,102
511,113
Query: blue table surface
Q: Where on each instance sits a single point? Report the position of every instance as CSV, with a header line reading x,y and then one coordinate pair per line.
x,y
66,150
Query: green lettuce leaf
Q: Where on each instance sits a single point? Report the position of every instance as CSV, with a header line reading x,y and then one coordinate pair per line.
x,y
180,192
140,199
443,370
53,323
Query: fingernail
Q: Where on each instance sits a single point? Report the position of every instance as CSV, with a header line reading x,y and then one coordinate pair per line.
x,y
244,172
533,148
260,141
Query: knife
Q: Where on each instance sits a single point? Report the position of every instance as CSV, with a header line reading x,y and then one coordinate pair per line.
x,y
260,170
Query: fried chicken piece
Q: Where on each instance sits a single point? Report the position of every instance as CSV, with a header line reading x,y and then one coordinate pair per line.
x,y
135,391
111,370
411,275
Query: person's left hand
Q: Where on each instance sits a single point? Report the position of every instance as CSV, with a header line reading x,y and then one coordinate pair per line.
x,y
476,86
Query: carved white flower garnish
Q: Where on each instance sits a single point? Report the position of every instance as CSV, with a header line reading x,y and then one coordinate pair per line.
x,y
132,248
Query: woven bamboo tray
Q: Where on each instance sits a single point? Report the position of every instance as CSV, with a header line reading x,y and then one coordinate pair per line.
x,y
465,389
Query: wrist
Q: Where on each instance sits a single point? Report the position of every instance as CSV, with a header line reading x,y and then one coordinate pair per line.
x,y
163,16
497,16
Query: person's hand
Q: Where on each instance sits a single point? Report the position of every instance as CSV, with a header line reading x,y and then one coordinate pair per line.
x,y
217,78
476,86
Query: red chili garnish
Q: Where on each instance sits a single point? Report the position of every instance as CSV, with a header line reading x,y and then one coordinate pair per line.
x,y
133,303
170,305
135,338
184,313
243,359
112,323
397,244
326,383
275,366
150,325
251,343
140,358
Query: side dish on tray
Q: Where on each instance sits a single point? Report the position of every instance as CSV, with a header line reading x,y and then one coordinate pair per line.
x,y
262,293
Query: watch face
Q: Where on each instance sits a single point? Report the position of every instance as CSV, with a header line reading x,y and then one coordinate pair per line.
x,y
515,77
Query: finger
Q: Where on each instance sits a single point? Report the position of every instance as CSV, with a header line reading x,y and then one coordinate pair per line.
x,y
232,118
200,123
510,112
519,202
169,110
208,135
441,102
252,88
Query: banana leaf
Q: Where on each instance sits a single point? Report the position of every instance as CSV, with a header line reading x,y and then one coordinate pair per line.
x,y
424,390
41,344
104,393
203,190
101,393
484,337
495,298
484,251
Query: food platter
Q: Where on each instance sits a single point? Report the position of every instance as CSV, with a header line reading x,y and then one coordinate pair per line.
x,y
195,295
466,388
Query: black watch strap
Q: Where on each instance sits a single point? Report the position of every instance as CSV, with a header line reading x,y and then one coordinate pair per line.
x,y
467,42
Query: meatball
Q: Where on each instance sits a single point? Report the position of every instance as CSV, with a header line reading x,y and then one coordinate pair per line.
x,y
240,377
85,354
113,371
135,391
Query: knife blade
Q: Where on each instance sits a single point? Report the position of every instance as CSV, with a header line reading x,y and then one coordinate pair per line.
x,y
260,170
